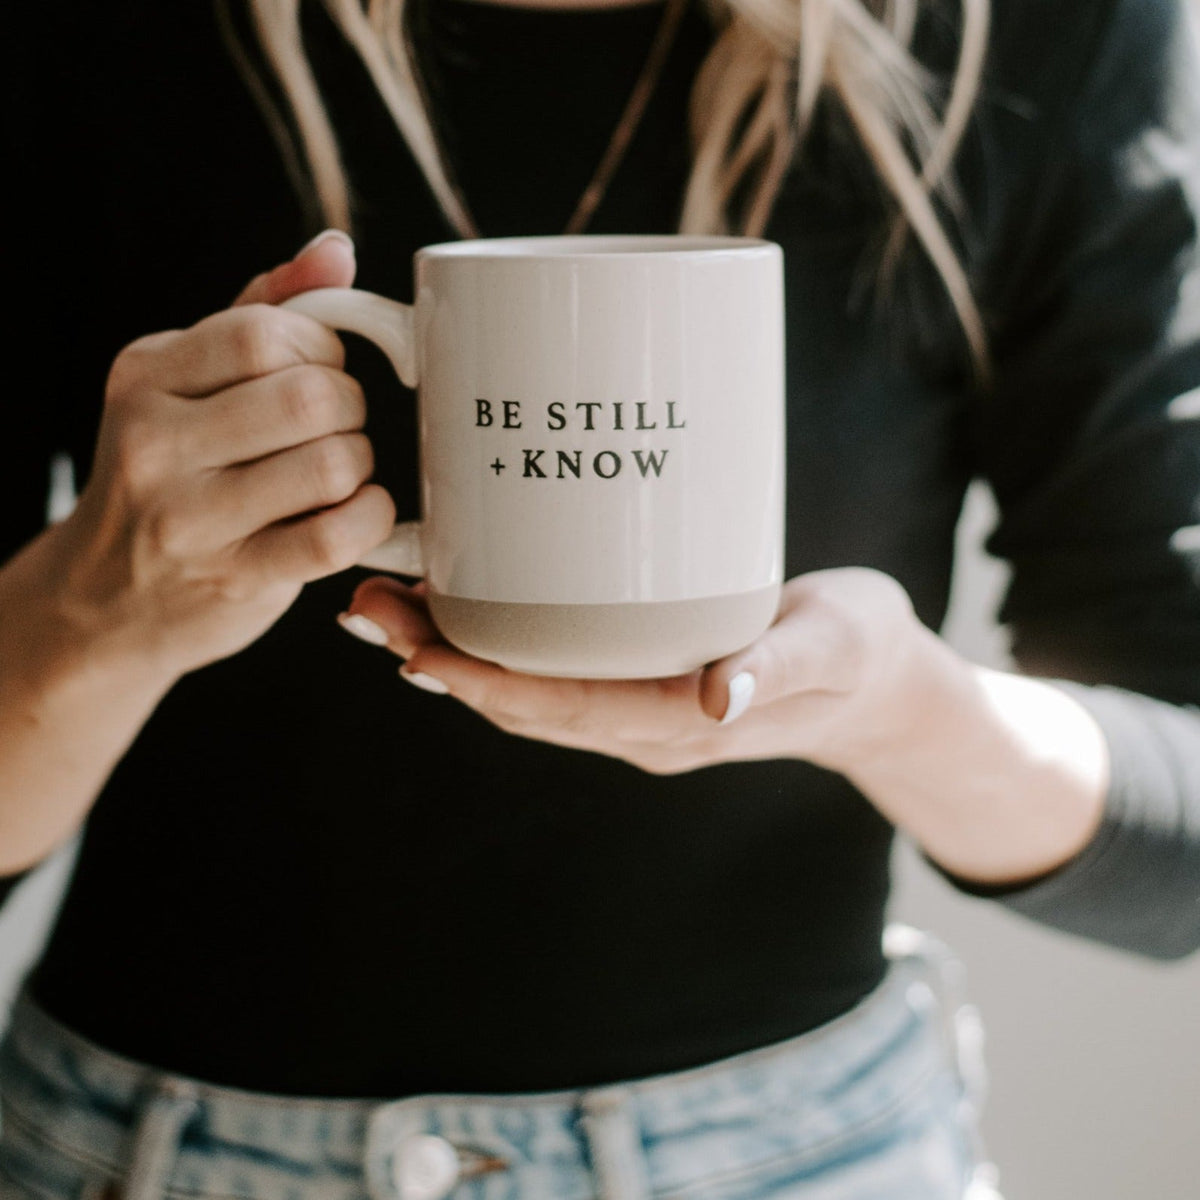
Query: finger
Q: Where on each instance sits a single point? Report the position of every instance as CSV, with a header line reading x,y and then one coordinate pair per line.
x,y
322,543
235,345
263,416
327,261
593,711
240,500
799,653
401,612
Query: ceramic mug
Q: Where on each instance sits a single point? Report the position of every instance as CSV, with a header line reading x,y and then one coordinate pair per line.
x,y
602,446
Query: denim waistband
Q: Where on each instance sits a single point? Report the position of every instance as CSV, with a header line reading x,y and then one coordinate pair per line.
x,y
166,1135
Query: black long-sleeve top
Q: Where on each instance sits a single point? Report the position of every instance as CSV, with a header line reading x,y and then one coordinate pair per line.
x,y
306,876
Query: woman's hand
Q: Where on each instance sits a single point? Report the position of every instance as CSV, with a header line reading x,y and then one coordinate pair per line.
x,y
230,469
830,681
999,778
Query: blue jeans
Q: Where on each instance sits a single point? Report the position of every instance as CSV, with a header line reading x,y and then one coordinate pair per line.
x,y
878,1105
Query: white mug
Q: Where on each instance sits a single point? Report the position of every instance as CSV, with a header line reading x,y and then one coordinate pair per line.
x,y
602,446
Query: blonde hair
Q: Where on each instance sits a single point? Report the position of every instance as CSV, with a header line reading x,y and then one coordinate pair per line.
x,y
753,101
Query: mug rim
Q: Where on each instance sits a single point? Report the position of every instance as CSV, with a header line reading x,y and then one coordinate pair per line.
x,y
602,246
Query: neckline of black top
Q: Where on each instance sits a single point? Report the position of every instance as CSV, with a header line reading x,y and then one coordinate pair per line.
x,y
505,84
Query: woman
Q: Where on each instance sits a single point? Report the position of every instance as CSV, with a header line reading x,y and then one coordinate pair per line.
x,y
330,935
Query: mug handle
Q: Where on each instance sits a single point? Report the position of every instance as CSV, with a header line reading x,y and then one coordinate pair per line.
x,y
389,324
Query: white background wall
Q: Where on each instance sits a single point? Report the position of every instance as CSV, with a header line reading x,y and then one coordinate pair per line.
x,y
1095,1056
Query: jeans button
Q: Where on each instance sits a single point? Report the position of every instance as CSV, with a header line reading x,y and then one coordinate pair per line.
x,y
424,1167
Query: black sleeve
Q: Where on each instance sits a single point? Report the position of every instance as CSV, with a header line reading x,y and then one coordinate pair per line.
x,y
61,191
1091,442
26,435
51,198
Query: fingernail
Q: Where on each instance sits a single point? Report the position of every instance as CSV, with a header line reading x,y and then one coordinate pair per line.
x,y
741,692
363,628
328,235
426,682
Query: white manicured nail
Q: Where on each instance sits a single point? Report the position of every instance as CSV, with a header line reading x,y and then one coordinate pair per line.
x,y
426,682
364,628
327,235
741,692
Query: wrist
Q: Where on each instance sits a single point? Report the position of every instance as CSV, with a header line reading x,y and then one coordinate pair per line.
x,y
893,722
55,639
999,777
73,696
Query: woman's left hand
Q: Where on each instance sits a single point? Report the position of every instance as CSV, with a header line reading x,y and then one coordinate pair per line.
x,y
837,677
998,777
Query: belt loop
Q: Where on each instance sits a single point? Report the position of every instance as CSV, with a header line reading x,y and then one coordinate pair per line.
x,y
615,1144
943,986
962,1029
156,1141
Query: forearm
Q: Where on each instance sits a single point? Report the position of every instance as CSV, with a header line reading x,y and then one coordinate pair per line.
x,y
71,702
1000,778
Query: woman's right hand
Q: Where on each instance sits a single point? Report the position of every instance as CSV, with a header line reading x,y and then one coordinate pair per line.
x,y
230,469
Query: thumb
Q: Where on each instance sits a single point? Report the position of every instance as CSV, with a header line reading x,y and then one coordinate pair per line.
x,y
327,261
800,652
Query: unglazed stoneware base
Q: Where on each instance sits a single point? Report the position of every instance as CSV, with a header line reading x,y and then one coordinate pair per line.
x,y
606,641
